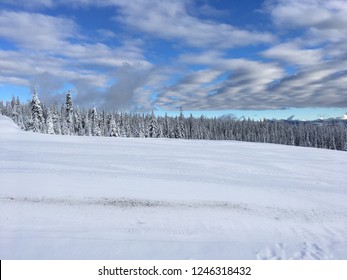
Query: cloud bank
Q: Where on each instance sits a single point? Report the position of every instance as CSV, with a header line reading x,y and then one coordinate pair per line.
x,y
167,54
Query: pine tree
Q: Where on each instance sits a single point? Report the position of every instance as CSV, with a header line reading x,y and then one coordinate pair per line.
x,y
87,127
49,123
77,121
122,131
36,113
56,118
152,128
69,114
114,130
2,108
141,130
14,110
181,123
63,123
95,123
166,126
180,128
20,117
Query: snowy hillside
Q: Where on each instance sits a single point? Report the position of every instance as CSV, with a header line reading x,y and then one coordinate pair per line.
x,y
70,197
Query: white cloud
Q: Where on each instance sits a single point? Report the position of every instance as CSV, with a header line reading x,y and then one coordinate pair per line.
x,y
47,72
225,84
170,20
36,31
247,84
323,20
292,54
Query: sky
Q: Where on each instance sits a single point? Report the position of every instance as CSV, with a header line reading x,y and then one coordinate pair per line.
x,y
273,58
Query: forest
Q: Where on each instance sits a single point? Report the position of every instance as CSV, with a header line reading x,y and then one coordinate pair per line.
x,y
69,120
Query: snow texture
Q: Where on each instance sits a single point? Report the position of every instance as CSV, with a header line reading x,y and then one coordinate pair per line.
x,y
70,197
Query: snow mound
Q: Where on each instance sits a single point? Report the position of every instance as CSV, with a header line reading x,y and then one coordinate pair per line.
x,y
7,125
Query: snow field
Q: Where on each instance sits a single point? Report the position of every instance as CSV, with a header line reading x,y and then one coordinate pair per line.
x,y
70,197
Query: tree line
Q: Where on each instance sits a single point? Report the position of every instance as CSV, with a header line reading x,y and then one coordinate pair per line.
x,y
69,120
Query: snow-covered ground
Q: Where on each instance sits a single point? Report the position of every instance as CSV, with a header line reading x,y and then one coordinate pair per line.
x,y
69,197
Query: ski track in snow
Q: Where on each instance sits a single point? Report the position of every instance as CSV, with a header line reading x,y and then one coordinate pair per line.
x,y
309,215
67,197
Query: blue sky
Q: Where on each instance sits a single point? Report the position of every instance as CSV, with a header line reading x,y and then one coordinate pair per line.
x,y
251,58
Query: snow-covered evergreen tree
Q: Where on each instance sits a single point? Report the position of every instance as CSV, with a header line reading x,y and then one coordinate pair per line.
x,y
69,114
49,123
86,124
122,129
63,122
95,123
152,127
2,108
14,110
114,130
141,130
36,113
77,122
56,118
180,127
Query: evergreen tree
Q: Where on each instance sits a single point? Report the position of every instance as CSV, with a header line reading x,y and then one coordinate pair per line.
x,y
63,122
141,130
122,131
36,113
14,110
152,128
77,121
95,123
56,118
69,114
114,130
2,108
87,124
49,123
180,127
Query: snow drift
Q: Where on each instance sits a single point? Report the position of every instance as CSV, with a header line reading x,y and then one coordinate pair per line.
x,y
70,197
